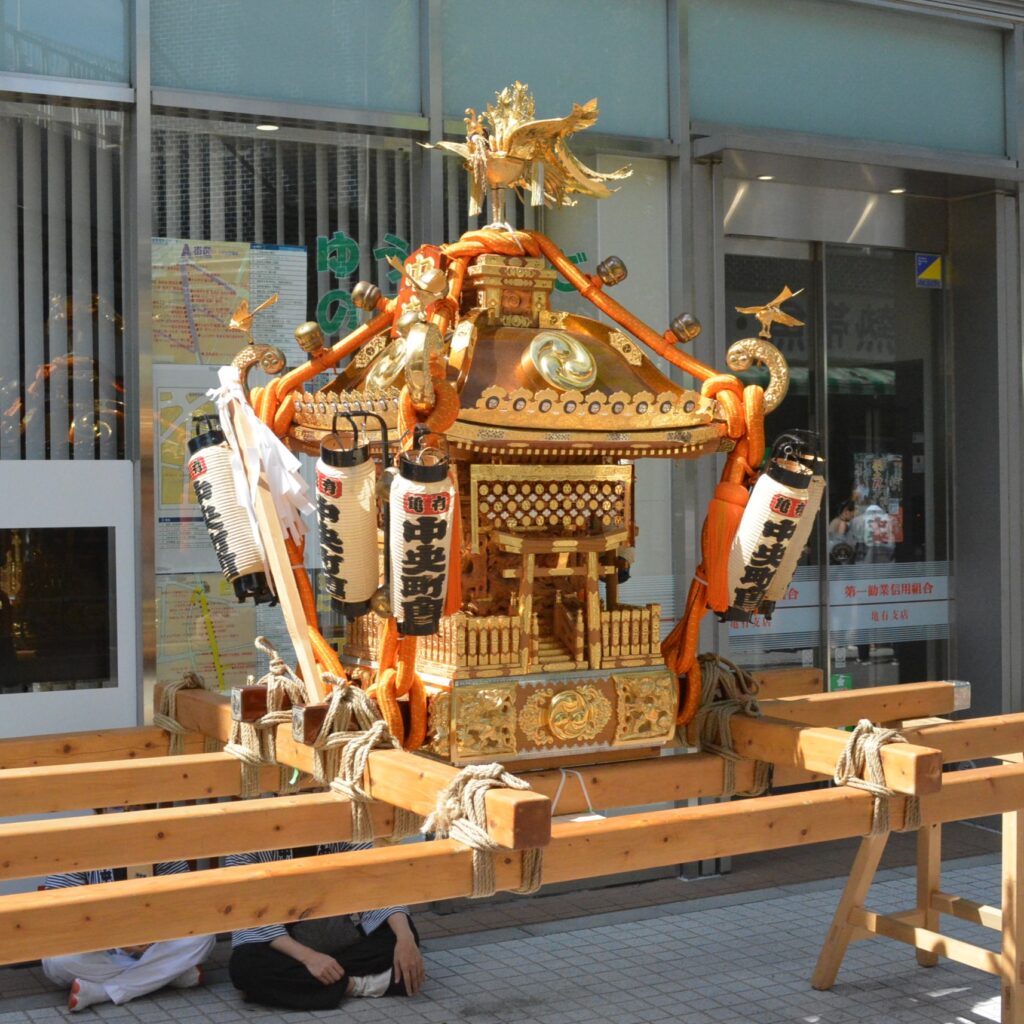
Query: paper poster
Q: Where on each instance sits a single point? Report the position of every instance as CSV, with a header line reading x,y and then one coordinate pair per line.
x,y
202,628
182,543
197,285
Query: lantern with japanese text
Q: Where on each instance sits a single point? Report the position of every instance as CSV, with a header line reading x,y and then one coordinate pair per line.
x,y
775,526
422,506
346,510
230,524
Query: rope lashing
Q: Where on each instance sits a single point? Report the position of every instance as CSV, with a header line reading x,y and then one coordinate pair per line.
x,y
461,814
340,755
255,743
166,716
726,690
860,767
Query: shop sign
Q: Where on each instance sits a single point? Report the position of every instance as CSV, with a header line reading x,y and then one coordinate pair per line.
x,y
927,270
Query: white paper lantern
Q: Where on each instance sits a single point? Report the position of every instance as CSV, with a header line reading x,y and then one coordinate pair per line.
x,y
346,509
227,521
775,526
422,508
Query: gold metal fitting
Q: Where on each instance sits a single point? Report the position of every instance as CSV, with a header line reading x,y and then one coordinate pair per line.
x,y
310,337
612,271
685,327
365,295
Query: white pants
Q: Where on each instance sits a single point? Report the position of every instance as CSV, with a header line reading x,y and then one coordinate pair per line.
x,y
122,976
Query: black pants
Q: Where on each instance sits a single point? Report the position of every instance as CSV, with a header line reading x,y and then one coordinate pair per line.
x,y
272,978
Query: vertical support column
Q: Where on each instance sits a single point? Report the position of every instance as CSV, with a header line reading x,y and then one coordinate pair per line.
x,y
593,611
138,350
840,932
526,608
929,870
1013,920
428,164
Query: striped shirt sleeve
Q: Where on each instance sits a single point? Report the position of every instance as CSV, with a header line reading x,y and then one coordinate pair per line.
x,y
171,867
66,880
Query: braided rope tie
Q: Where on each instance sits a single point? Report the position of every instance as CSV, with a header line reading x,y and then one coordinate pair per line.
x,y
860,767
340,756
461,814
166,716
255,743
727,690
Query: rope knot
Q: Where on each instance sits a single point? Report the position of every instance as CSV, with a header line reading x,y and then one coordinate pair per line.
x,y
461,814
860,767
166,715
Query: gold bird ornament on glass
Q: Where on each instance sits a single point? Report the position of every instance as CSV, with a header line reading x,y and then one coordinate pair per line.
x,y
771,313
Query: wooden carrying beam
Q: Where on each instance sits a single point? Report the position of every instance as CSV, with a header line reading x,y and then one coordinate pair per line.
x,y
81,747
76,787
144,910
908,768
32,848
878,703
517,820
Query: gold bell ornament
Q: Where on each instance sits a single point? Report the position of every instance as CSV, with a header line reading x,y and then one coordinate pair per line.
x,y
775,527
229,523
346,510
422,507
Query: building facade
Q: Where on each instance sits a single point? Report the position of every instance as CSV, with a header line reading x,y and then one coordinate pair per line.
x,y
161,160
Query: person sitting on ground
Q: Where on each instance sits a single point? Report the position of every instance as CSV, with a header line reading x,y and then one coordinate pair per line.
x,y
315,964
118,975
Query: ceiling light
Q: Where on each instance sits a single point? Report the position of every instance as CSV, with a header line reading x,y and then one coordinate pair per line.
x,y
766,177
897,191
267,127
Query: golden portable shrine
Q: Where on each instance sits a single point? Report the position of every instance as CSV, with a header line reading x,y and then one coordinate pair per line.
x,y
475,509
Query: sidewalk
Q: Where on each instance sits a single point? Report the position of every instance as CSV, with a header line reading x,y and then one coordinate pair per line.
x,y
695,952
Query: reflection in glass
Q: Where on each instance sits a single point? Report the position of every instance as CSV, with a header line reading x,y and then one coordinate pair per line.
x,y
57,609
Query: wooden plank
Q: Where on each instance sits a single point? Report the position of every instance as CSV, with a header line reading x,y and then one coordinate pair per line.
x,y
908,768
90,745
973,738
789,682
143,910
75,787
841,931
929,873
515,820
879,703
967,910
924,939
32,848
1012,954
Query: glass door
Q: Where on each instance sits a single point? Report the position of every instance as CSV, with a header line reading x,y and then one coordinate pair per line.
x,y
870,601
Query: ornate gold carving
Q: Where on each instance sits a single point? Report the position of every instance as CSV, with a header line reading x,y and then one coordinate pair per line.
x,y
577,714
534,718
370,351
771,313
484,721
563,361
630,350
438,723
647,708
390,365
523,499
554,318
746,351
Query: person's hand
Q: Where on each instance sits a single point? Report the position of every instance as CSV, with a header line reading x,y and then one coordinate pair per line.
x,y
409,964
324,968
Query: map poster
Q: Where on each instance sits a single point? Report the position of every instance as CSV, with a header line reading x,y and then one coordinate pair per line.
x,y
202,628
182,543
197,285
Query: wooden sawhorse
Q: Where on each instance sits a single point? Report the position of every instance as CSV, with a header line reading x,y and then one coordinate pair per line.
x,y
920,926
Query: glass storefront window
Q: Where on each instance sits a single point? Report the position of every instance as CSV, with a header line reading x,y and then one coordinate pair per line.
x,y
57,614
871,381
62,392
239,216
85,39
